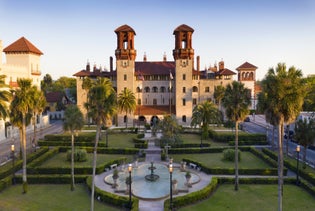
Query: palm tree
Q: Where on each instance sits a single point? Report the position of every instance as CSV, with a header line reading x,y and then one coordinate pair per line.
x,y
284,94
39,104
204,114
73,122
218,95
305,135
101,106
22,105
126,102
236,102
5,97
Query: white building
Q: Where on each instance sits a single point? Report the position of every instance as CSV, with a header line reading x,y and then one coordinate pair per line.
x,y
21,60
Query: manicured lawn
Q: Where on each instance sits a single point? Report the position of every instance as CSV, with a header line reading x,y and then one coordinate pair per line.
x,y
120,140
195,138
59,160
49,197
256,197
213,160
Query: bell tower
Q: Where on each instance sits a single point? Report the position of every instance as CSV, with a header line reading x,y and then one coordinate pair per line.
x,y
125,63
184,64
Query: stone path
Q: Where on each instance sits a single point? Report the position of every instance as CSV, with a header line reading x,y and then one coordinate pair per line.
x,y
153,153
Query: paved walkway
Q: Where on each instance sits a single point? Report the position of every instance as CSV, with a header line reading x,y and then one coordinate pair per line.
x,y
153,153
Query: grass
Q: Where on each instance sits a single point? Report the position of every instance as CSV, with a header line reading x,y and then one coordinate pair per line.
x,y
49,197
59,160
256,197
213,160
120,140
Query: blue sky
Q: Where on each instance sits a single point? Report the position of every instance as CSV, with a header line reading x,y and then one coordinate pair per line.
x,y
71,32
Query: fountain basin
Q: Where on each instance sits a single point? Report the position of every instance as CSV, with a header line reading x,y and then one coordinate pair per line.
x,y
151,190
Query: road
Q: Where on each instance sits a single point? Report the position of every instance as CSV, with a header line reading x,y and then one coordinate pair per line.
x,y
5,145
259,125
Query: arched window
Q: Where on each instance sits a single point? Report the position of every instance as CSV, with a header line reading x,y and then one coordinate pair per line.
x,y
184,118
162,89
251,76
154,102
125,119
139,89
155,89
147,89
195,89
243,76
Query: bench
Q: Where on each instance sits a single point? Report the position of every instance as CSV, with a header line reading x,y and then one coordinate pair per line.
x,y
192,165
113,166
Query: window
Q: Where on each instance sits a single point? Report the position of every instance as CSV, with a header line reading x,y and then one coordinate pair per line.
x,y
154,102
125,119
125,77
184,102
184,89
194,101
155,89
184,118
162,89
184,77
195,89
207,89
147,89
139,101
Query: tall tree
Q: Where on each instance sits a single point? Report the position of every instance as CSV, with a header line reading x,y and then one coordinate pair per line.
x,y
38,105
236,102
101,105
5,97
218,94
73,122
170,130
204,114
22,105
284,93
305,135
46,83
309,101
126,102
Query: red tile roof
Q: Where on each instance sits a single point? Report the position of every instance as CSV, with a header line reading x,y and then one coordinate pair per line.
x,y
22,45
225,71
84,73
53,97
125,28
247,65
155,68
183,27
154,110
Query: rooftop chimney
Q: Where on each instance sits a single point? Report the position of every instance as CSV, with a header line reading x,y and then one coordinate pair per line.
x,y
221,65
88,66
144,57
111,64
164,57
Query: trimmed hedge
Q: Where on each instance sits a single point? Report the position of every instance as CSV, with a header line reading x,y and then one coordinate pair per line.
x,y
242,138
83,137
194,197
51,179
7,169
310,177
111,198
188,145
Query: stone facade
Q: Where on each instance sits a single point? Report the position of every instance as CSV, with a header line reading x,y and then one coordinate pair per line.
x,y
161,87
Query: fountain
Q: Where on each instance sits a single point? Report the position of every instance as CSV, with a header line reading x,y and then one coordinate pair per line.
x,y
145,188
152,177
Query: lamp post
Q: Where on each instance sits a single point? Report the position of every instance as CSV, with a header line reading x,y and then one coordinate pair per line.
x,y
13,176
129,170
297,164
171,188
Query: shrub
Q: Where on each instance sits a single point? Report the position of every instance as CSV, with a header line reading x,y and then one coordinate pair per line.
x,y
229,155
80,155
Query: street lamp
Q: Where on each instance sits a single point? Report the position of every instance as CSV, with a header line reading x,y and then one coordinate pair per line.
x,y
171,190
13,176
129,170
297,164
